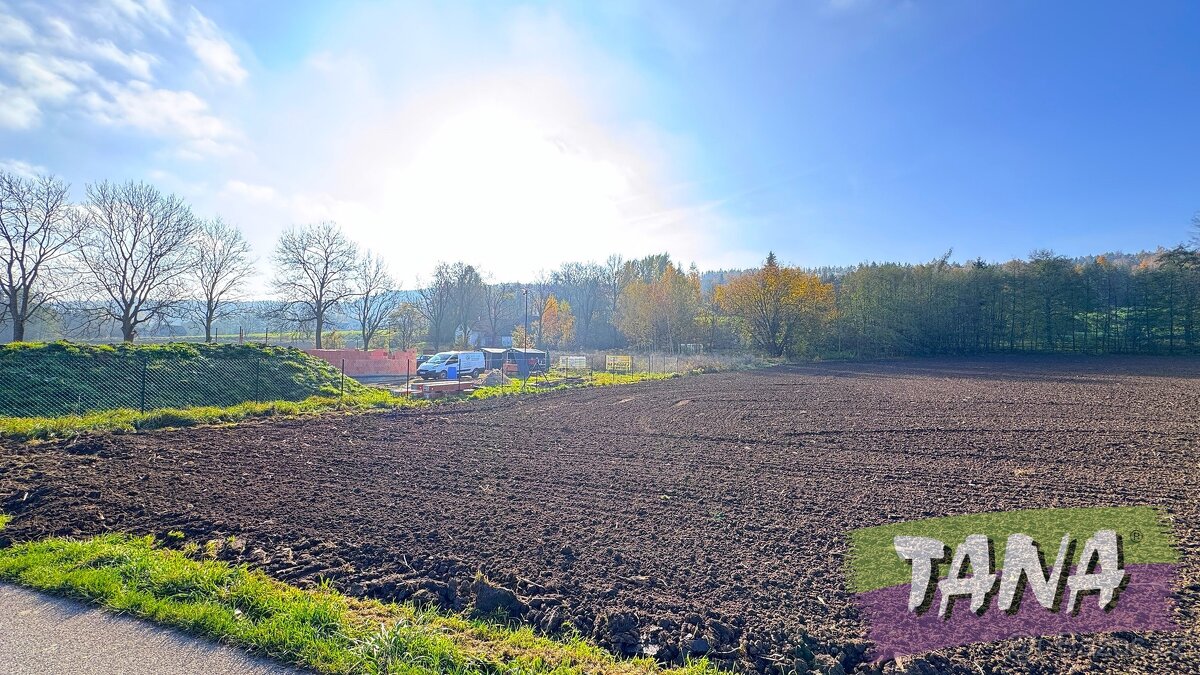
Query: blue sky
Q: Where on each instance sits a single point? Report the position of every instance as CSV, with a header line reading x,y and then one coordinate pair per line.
x,y
833,132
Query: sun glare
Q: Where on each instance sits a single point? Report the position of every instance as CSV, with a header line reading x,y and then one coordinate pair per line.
x,y
491,169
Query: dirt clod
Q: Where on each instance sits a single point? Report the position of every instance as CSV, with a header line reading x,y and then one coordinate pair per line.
x,y
491,599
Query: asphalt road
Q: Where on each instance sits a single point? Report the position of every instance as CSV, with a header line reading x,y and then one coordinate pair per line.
x,y
41,635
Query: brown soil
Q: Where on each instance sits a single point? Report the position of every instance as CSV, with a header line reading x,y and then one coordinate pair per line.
x,y
699,512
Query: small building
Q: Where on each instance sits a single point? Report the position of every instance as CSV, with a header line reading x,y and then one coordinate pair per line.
x,y
494,358
529,361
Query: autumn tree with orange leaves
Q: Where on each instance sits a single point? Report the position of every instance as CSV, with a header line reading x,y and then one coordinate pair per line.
x,y
557,322
779,309
658,308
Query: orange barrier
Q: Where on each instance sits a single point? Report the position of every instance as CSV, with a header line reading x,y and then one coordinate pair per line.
x,y
368,364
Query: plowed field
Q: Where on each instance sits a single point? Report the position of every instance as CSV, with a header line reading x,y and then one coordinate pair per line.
x,y
702,514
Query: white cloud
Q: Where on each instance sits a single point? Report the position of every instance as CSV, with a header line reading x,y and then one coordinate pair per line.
x,y
156,10
258,193
213,51
298,207
14,31
130,17
138,63
43,77
98,63
18,111
60,38
22,168
60,30
162,112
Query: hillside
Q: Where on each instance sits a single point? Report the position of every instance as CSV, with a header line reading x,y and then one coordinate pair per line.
x,y
58,378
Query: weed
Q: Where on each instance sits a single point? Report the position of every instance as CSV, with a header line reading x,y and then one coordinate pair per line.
x,y
127,420
319,628
212,548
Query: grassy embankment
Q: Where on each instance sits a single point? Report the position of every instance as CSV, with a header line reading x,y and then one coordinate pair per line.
x,y
60,389
318,628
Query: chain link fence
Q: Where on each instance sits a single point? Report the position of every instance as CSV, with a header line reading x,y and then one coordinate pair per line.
x,y
45,383
654,362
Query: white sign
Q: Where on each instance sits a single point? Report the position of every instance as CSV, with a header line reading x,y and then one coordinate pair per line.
x,y
572,362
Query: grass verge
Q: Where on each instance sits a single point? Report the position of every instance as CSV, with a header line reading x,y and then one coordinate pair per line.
x,y
318,629
126,420
517,387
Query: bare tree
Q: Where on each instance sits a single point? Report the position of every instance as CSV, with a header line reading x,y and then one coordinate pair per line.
x,y
434,303
539,293
498,310
222,266
583,286
137,246
616,277
313,268
406,324
375,297
466,287
36,233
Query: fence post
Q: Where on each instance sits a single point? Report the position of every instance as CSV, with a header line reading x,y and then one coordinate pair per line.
x,y
142,396
343,384
257,369
407,377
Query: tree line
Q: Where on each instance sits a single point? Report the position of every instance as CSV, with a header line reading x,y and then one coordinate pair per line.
x,y
132,256
1130,304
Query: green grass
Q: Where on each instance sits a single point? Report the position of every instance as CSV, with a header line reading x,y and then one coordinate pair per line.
x,y
517,387
318,628
128,420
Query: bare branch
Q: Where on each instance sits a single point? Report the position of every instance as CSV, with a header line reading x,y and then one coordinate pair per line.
x,y
222,265
313,268
37,233
375,297
136,244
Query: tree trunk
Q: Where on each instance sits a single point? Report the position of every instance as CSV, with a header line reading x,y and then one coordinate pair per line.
x,y
18,329
320,327
210,317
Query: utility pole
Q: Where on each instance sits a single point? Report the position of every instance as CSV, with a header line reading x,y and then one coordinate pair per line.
x,y
525,336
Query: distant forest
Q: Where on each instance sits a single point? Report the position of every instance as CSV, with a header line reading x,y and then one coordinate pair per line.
x,y
1145,303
